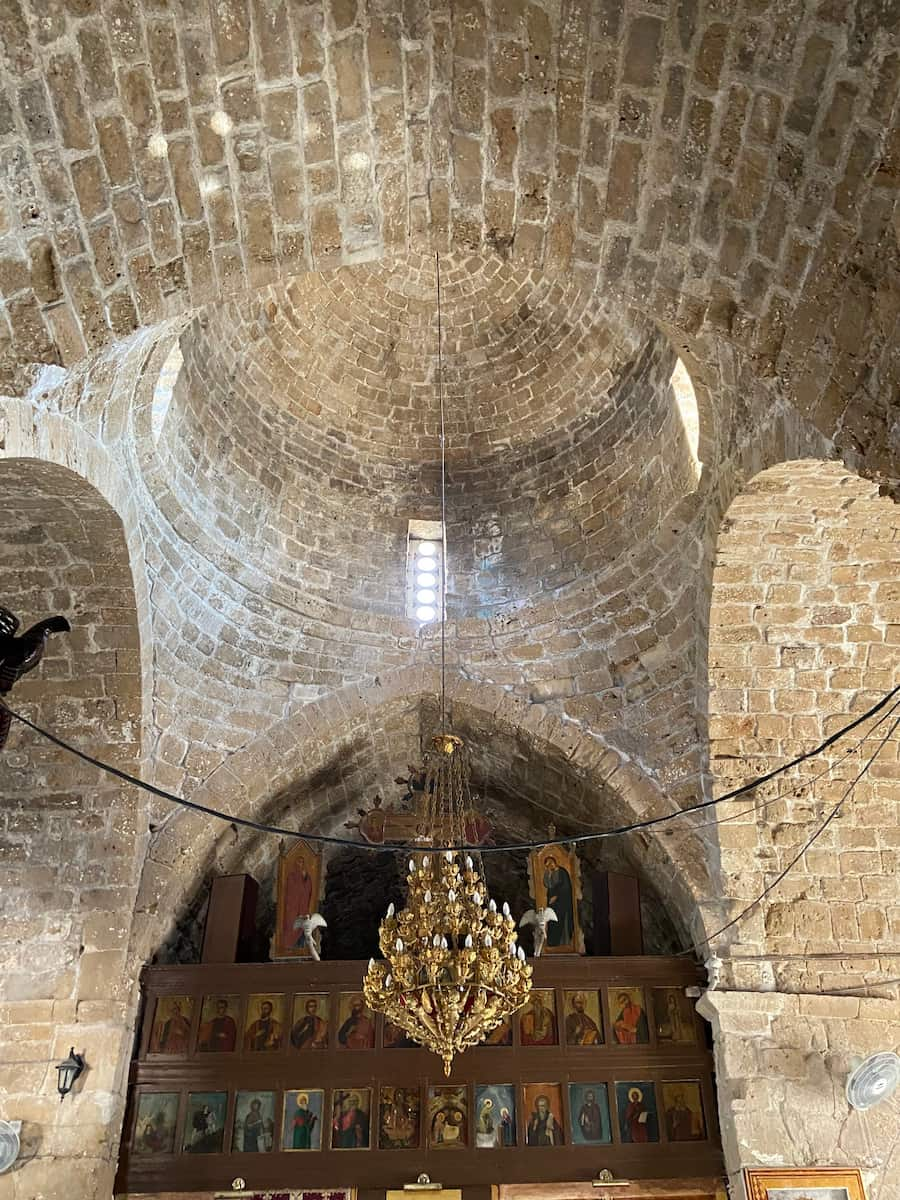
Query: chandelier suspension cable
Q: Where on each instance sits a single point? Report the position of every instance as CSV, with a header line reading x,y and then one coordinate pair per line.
x,y
440,389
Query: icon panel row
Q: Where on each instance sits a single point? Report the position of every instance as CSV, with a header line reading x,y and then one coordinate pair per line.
x,y
392,1118
262,1022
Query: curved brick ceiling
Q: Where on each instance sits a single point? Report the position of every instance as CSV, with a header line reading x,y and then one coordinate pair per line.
x,y
730,169
352,354
305,426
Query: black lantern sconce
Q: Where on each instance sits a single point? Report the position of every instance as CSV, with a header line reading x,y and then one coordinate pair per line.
x,y
67,1072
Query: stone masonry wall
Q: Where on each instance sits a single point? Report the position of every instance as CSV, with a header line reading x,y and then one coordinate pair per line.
x,y
70,841
782,1063
805,631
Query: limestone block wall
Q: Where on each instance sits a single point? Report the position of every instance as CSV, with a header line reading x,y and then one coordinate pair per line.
x,y
781,1066
804,634
71,842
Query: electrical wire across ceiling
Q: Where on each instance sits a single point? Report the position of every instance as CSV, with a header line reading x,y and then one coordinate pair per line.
x,y
393,848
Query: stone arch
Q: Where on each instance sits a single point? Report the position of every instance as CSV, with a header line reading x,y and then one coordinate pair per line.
x,y
803,636
55,440
654,166
315,764
72,840
289,596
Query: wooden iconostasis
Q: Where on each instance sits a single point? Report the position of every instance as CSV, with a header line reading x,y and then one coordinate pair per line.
x,y
278,1073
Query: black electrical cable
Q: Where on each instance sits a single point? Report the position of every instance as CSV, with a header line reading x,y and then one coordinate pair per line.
x,y
858,988
695,948
803,783
393,847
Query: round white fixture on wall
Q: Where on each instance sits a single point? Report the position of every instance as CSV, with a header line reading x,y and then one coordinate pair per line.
x,y
9,1143
873,1080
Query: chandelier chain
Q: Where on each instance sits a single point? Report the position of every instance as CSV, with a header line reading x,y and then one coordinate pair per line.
x,y
451,970
440,388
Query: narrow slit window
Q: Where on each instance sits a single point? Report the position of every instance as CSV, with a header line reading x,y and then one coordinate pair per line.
x,y
162,393
424,568
686,402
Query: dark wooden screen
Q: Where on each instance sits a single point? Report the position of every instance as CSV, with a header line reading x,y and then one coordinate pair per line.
x,y
189,1070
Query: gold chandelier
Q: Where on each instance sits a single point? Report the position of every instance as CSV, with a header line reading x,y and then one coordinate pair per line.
x,y
452,969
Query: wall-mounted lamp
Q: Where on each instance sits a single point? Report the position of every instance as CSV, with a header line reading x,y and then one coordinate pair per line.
x,y
67,1072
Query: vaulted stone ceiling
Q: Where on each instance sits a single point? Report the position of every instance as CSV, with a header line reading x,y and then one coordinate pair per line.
x,y
305,429
260,186
730,169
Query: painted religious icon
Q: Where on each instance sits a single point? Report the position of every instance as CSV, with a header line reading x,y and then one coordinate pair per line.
x,y
204,1123
171,1025
309,1028
395,1037
636,1105
495,1116
803,1183
555,878
297,896
673,1016
501,1036
399,1114
154,1126
254,1122
583,1024
808,1193
302,1128
683,1111
448,1118
544,1114
219,1024
589,1114
356,1023
628,1016
537,1020
264,1029
350,1119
